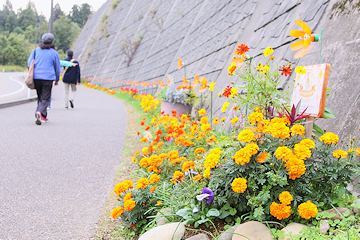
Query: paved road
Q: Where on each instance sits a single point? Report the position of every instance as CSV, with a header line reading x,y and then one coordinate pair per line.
x,y
54,178
12,87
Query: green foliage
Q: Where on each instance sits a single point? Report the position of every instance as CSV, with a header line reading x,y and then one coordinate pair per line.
x,y
14,49
65,32
114,3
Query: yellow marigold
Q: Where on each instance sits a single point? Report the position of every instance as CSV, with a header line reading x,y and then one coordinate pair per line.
x,y
179,140
136,153
216,121
158,203
239,185
202,112
144,139
308,143
295,168
280,120
155,160
123,186
283,153
262,157
144,162
234,120
279,130
285,197
205,127
340,154
154,178
246,135
252,148
204,120
127,196
197,178
184,117
255,117
117,212
145,151
207,173
307,210
199,150
142,183
298,129
173,154
188,165
302,151
129,205
178,175
280,211
329,138
244,154
211,161
163,156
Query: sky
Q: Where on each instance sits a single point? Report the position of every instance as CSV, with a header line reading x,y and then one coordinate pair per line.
x,y
44,6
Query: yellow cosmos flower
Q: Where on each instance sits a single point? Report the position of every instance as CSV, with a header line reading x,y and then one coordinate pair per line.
x,y
204,120
268,51
216,121
205,127
233,92
300,70
225,105
234,120
222,120
202,112
211,86
232,68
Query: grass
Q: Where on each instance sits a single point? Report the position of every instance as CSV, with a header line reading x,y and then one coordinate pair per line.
x,y
12,68
107,228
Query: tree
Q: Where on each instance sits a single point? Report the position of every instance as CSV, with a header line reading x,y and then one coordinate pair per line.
x,y
80,15
65,33
15,49
8,17
26,17
58,12
85,11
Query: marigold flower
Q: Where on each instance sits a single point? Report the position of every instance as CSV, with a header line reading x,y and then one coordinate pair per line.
x,y
283,153
244,154
268,51
239,185
199,150
279,130
127,196
173,154
295,167
129,205
329,138
204,120
142,183
197,178
178,175
246,135
207,173
123,186
302,151
145,151
144,162
213,158
202,112
308,143
298,129
285,197
307,210
211,140
262,157
280,211
255,117
117,212
188,165
159,203
152,189
154,178
340,154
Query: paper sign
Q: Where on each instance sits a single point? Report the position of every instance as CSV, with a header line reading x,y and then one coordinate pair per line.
x,y
310,88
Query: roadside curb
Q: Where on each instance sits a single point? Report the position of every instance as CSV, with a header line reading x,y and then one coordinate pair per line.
x,y
17,102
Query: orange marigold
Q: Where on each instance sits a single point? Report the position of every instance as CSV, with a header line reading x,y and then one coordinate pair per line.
x,y
308,143
329,138
280,211
144,162
117,212
207,173
255,117
127,196
152,189
129,205
302,151
307,210
340,154
283,153
154,178
188,165
285,197
123,186
199,150
197,178
246,135
142,183
178,175
262,157
239,185
298,129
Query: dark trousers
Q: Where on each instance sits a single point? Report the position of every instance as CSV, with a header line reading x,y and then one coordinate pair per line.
x,y
43,90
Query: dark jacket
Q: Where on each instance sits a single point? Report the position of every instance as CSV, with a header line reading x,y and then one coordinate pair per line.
x,y
72,74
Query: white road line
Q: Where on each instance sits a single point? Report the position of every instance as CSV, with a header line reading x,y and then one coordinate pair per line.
x,y
21,89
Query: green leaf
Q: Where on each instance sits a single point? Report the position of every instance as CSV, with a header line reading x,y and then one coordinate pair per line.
x,y
225,207
189,221
213,213
224,215
328,113
184,212
233,211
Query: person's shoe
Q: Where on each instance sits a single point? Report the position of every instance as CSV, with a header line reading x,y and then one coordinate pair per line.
x,y
71,103
38,118
44,120
66,107
48,108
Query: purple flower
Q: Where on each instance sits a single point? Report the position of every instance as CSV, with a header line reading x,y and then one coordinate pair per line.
x,y
190,171
195,210
170,140
207,194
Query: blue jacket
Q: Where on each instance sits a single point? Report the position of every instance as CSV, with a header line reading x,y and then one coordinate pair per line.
x,y
72,74
47,64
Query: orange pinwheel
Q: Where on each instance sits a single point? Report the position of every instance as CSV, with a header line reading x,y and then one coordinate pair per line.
x,y
306,37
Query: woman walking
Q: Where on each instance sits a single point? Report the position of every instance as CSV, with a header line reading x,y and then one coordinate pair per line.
x,y
47,70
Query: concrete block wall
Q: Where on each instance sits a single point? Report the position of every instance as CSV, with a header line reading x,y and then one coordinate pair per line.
x,y
204,34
